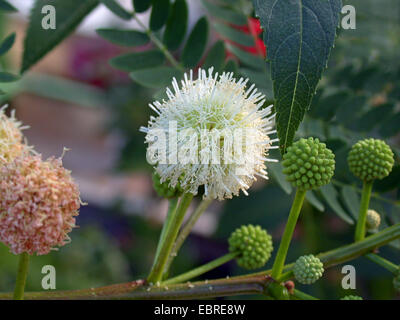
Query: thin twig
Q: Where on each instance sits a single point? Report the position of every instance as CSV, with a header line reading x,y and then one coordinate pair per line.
x,y
158,44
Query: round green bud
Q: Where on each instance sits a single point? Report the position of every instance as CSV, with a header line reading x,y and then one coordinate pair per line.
x,y
308,269
373,220
351,297
254,245
370,159
163,189
396,281
308,164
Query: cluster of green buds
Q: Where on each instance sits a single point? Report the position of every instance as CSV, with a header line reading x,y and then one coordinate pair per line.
x,y
253,244
308,269
308,164
370,159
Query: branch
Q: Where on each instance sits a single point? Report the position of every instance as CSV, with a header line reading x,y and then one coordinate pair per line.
x,y
248,284
90,293
205,289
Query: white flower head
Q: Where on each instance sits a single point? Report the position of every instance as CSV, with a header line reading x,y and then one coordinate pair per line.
x,y
211,132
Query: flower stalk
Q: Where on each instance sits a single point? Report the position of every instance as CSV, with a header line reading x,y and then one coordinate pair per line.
x,y
202,269
171,233
21,276
186,229
362,216
172,205
288,234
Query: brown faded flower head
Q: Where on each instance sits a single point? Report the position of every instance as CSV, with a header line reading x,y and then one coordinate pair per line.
x,y
38,204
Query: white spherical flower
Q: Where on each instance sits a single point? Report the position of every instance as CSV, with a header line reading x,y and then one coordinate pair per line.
x,y
211,132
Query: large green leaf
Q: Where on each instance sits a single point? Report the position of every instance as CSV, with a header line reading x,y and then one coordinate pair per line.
x,y
159,14
175,30
196,44
138,60
156,77
117,9
299,35
124,37
39,41
216,56
7,44
7,7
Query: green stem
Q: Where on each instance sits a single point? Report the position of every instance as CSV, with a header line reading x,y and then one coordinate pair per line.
x,y
172,204
390,266
158,44
285,276
169,239
362,216
303,296
21,276
202,269
288,233
186,229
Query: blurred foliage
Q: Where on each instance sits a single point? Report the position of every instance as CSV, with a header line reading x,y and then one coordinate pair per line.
x,y
91,259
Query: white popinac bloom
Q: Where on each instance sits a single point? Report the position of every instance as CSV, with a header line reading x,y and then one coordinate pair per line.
x,y
211,132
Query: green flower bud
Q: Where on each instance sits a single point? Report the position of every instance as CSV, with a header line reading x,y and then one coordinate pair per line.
x,y
351,297
370,159
163,189
373,220
396,281
254,245
308,164
308,269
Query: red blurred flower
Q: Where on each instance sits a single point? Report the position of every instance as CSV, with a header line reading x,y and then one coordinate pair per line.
x,y
252,28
